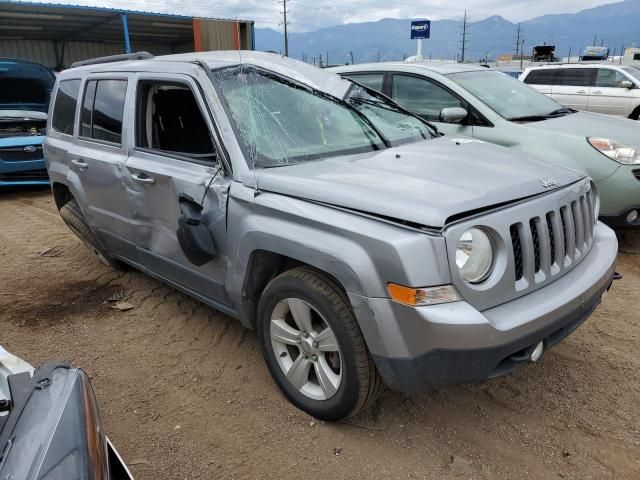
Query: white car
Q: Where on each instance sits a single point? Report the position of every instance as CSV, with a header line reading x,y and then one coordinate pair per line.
x,y
608,89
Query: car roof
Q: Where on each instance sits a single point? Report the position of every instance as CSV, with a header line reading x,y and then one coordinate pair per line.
x,y
443,68
572,65
304,73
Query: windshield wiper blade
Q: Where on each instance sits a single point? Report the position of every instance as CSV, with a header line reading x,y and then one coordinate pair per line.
x,y
561,111
528,118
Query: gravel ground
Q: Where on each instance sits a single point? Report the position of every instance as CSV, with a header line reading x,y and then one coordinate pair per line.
x,y
184,392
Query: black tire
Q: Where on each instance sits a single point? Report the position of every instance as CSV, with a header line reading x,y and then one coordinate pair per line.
x,y
73,218
635,115
360,384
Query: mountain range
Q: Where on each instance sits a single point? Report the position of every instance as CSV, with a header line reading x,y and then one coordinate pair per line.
x,y
615,24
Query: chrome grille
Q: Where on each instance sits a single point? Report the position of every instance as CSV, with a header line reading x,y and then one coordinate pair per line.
x,y
19,154
545,246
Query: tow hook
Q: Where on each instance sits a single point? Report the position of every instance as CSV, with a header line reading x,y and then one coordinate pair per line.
x,y
617,276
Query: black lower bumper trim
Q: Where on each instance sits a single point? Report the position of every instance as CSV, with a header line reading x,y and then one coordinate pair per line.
x,y
439,368
620,220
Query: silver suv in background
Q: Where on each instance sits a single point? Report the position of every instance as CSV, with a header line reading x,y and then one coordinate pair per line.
x,y
607,89
360,244
488,105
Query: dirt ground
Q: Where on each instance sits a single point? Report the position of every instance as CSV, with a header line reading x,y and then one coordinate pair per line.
x,y
184,392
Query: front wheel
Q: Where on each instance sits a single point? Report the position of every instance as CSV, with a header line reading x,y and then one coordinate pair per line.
x,y
313,346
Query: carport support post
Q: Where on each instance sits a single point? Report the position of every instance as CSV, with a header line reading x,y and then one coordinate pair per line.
x,y
125,31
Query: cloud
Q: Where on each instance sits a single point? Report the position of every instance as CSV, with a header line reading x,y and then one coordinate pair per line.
x,y
307,15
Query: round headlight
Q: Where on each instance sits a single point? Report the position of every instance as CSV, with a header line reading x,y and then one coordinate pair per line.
x,y
474,255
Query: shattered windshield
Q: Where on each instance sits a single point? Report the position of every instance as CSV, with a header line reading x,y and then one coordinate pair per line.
x,y
390,120
280,122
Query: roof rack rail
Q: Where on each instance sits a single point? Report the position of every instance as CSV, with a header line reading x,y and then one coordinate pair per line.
x,y
113,58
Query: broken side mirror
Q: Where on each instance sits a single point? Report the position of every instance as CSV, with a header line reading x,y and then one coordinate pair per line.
x,y
194,237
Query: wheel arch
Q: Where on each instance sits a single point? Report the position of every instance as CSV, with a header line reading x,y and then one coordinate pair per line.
x,y
265,264
635,115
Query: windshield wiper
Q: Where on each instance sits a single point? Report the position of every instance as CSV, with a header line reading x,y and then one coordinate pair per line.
x,y
560,112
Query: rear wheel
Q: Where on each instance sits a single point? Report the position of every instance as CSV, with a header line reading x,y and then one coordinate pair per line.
x,y
72,216
313,346
635,115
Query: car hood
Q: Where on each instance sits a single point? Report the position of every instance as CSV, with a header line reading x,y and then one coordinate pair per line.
x,y
22,115
587,124
424,183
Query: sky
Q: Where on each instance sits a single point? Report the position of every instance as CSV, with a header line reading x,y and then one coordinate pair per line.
x,y
306,15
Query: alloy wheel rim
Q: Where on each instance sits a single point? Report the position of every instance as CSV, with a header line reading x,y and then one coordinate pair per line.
x,y
306,349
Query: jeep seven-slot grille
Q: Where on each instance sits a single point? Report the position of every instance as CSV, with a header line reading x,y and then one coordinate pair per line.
x,y
21,154
548,245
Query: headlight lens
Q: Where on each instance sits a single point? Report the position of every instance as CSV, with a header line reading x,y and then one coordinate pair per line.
x,y
615,150
474,255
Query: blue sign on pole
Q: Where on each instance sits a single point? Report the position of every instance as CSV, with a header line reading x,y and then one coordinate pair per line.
x,y
420,29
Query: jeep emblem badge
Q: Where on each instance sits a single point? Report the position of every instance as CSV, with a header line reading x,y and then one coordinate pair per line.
x,y
548,182
30,149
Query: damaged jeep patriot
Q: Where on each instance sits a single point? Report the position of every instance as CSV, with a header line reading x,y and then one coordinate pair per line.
x,y
365,248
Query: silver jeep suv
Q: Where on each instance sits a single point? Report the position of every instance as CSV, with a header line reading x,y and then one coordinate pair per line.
x,y
363,246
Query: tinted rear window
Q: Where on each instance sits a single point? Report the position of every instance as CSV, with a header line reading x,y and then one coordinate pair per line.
x,y
576,77
541,77
64,110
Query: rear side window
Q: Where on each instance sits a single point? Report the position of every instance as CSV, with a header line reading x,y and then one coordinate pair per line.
x,y
541,77
371,80
576,77
64,110
103,110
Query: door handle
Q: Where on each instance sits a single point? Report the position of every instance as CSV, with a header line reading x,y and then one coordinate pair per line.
x,y
597,92
142,178
81,164
581,91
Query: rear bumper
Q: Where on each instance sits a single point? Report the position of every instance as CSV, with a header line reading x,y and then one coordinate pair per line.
x,y
430,347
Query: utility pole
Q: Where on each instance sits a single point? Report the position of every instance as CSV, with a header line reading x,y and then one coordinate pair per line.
x,y
464,36
595,37
518,40
378,56
351,55
286,25
521,52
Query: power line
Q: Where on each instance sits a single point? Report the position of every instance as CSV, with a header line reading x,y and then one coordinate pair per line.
x,y
286,25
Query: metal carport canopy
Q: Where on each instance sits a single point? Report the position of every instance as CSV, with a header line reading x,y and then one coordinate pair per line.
x,y
61,23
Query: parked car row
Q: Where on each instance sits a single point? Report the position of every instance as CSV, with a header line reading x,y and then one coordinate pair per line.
x,y
362,245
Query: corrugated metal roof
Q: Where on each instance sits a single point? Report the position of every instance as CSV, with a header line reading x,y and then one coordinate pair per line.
x,y
21,20
114,10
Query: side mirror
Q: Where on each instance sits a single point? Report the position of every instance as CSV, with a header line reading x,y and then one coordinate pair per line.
x,y
194,237
628,84
453,114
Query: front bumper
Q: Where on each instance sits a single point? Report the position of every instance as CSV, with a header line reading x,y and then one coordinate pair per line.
x,y
420,349
18,168
619,195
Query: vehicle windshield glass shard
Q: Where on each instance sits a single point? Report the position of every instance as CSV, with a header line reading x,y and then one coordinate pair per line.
x,y
395,124
507,96
280,122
